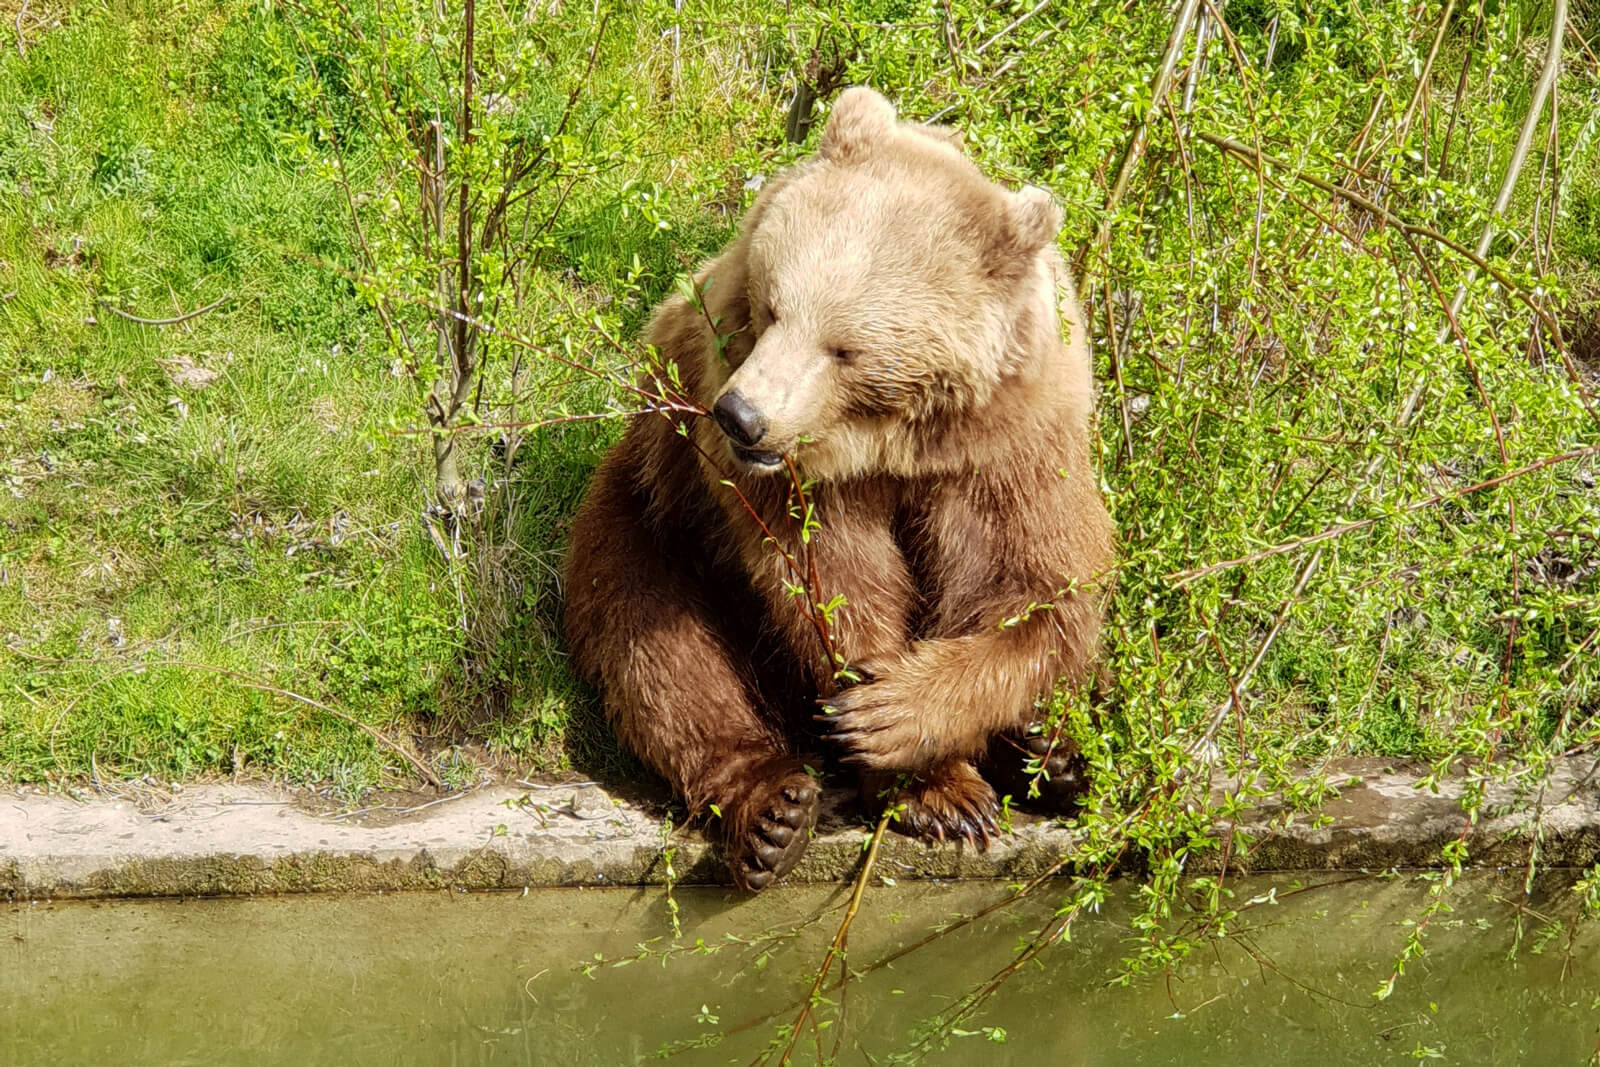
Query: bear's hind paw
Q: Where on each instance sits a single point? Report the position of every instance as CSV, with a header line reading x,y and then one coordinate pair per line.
x,y
949,802
773,830
1061,779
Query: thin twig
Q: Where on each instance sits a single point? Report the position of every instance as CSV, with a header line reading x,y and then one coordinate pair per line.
x,y
250,683
1508,181
185,317
836,949
1014,23
1426,74
1461,92
1235,685
1179,579
668,408
22,52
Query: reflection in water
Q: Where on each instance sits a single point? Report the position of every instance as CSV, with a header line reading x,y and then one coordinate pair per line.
x,y
498,979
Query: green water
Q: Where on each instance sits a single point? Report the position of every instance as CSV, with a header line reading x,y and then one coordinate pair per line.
x,y
453,979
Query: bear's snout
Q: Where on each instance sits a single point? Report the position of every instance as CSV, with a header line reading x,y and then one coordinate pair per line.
x,y
739,419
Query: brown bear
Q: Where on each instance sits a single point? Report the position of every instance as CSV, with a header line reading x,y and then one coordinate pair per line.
x,y
883,341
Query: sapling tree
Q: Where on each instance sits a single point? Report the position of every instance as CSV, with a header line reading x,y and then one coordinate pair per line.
x,y
435,122
459,134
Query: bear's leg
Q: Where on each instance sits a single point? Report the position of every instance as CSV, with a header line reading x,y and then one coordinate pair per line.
x,y
1062,773
947,801
677,694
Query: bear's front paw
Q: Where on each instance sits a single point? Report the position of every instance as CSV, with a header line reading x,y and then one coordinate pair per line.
x,y
881,728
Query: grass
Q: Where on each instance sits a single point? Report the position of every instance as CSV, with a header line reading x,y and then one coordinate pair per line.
x,y
260,523
195,511
192,512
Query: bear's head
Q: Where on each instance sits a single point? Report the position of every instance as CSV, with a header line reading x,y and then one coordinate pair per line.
x,y
889,287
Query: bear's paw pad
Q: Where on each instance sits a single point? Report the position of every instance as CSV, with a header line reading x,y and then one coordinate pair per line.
x,y
775,832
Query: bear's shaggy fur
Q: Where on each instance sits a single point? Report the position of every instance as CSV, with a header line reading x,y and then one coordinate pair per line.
x,y
895,334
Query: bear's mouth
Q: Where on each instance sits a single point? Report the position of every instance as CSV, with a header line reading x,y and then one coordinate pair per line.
x,y
754,457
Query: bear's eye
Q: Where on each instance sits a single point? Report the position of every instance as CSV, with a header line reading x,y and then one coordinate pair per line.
x,y
772,313
844,355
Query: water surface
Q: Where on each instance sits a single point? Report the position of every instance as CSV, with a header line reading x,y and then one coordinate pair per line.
x,y
456,979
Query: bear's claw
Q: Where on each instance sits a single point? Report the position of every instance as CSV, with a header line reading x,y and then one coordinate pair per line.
x,y
769,840
949,802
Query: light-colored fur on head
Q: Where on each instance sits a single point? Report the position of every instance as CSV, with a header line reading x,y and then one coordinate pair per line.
x,y
887,291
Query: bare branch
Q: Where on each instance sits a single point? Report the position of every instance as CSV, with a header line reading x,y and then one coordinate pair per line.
x,y
1508,182
1179,579
185,317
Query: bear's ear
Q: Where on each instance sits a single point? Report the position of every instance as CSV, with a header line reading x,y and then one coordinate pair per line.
x,y
860,119
1033,219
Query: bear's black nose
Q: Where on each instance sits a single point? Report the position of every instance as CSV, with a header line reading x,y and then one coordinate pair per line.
x,y
739,419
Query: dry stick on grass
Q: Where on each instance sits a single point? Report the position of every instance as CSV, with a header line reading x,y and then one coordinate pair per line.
x,y
22,51
250,683
175,320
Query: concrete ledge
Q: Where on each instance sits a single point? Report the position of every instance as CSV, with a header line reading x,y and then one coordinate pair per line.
x,y
246,839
